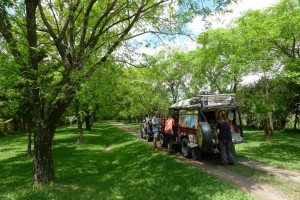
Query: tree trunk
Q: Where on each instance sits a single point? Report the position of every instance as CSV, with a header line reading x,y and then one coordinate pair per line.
x,y
296,119
88,122
79,122
22,125
29,141
43,170
80,133
271,124
44,129
267,130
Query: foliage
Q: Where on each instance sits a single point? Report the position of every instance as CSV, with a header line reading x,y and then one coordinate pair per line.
x,y
273,43
221,60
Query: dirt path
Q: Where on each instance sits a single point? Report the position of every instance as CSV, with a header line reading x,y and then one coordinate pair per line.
x,y
244,183
287,174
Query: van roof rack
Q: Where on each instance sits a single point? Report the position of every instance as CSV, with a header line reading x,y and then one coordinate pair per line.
x,y
207,100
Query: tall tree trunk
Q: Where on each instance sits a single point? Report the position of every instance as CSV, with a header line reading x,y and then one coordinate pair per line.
x,y
296,118
79,122
271,124
267,130
80,132
22,125
29,140
88,122
270,121
43,170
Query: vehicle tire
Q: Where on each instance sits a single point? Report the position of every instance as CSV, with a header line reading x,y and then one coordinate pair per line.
x,y
196,153
206,136
162,140
185,149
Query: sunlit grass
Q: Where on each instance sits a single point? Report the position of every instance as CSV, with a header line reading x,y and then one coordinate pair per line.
x,y
110,164
283,150
134,125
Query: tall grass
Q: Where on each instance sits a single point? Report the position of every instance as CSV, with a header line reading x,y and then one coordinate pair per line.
x,y
110,164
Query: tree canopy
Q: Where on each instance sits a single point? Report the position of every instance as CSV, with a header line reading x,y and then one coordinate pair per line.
x,y
58,45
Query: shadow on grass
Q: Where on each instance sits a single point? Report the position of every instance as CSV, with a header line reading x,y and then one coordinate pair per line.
x,y
112,164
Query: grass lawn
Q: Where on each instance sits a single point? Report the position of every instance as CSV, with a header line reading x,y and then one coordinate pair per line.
x,y
134,125
111,164
283,150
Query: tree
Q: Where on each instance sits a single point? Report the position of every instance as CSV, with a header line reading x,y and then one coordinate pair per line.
x,y
274,43
59,44
220,60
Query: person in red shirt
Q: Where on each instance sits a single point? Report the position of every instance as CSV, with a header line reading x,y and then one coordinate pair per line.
x,y
169,125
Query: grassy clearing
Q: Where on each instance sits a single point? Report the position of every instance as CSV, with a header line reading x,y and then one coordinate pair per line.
x,y
111,164
283,150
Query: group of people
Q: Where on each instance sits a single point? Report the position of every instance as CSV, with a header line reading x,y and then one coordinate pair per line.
x,y
223,130
168,129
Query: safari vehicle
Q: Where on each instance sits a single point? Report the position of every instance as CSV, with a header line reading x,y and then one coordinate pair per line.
x,y
196,121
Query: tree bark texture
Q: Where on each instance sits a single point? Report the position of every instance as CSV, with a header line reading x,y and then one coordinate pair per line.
x,y
267,130
43,170
29,141
44,125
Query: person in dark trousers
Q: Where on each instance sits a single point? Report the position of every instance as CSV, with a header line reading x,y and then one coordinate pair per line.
x,y
169,126
225,141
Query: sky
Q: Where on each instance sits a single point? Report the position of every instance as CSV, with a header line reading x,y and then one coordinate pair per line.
x,y
220,20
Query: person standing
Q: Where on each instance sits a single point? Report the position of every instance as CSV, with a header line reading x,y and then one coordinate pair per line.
x,y
155,128
169,125
225,141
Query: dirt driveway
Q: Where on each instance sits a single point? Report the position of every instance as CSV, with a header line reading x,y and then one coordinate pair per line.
x,y
247,184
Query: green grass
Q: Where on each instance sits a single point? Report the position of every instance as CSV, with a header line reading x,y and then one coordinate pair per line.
x,y
134,125
110,164
283,150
